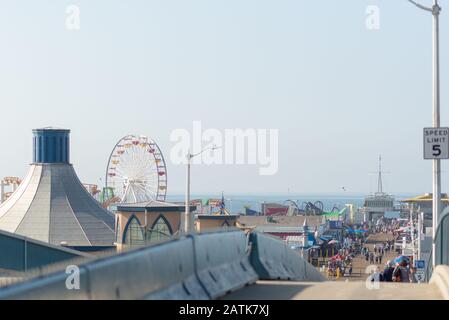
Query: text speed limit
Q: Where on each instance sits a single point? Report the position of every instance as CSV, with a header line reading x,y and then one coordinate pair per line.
x,y
436,143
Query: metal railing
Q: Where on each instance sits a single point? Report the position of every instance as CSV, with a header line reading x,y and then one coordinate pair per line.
x,y
442,240
429,269
442,244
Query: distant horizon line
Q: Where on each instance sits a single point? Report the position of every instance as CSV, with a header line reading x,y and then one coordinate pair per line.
x,y
286,194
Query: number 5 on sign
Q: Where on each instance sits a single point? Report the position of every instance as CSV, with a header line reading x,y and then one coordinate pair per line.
x,y
436,143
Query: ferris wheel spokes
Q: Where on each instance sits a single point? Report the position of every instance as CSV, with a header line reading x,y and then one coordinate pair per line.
x,y
136,170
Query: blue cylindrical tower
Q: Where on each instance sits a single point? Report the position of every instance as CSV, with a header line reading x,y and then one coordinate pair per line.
x,y
51,145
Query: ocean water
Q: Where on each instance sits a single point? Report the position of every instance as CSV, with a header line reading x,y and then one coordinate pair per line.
x,y
237,203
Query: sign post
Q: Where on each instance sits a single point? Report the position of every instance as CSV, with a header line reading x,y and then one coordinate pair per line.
x,y
436,143
420,271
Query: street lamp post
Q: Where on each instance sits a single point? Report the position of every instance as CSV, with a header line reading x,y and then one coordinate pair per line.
x,y
189,220
420,220
230,201
436,165
412,233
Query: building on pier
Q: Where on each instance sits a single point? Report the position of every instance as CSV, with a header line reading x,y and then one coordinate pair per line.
x,y
52,205
423,203
376,205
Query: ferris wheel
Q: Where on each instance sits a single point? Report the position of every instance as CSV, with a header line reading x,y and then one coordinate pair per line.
x,y
136,170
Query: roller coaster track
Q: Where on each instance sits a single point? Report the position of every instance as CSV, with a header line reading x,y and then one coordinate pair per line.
x,y
315,208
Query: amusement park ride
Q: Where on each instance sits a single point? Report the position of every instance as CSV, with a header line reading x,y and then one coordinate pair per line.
x,y
12,183
308,208
136,172
296,208
92,189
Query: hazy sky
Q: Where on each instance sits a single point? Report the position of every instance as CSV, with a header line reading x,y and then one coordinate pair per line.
x,y
339,94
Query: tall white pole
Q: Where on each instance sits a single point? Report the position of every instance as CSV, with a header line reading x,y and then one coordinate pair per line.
x,y
436,205
436,163
412,233
420,214
145,228
2,191
187,222
189,219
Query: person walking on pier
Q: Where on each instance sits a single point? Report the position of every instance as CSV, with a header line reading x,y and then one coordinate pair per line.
x,y
401,273
387,274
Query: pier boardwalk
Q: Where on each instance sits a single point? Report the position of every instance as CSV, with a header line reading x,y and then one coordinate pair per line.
x,y
344,288
360,266
335,290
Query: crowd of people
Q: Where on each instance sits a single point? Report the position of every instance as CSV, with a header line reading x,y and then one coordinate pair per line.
x,y
337,268
398,269
385,226
379,251
395,270
341,264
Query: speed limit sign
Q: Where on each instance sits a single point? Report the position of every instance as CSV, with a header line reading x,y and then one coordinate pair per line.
x,y
436,143
420,276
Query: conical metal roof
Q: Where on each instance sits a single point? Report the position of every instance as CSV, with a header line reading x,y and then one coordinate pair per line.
x,y
52,205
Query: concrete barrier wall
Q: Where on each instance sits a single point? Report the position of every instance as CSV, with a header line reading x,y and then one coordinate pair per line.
x,y
165,271
273,260
268,258
442,239
440,278
203,266
197,267
51,287
223,262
